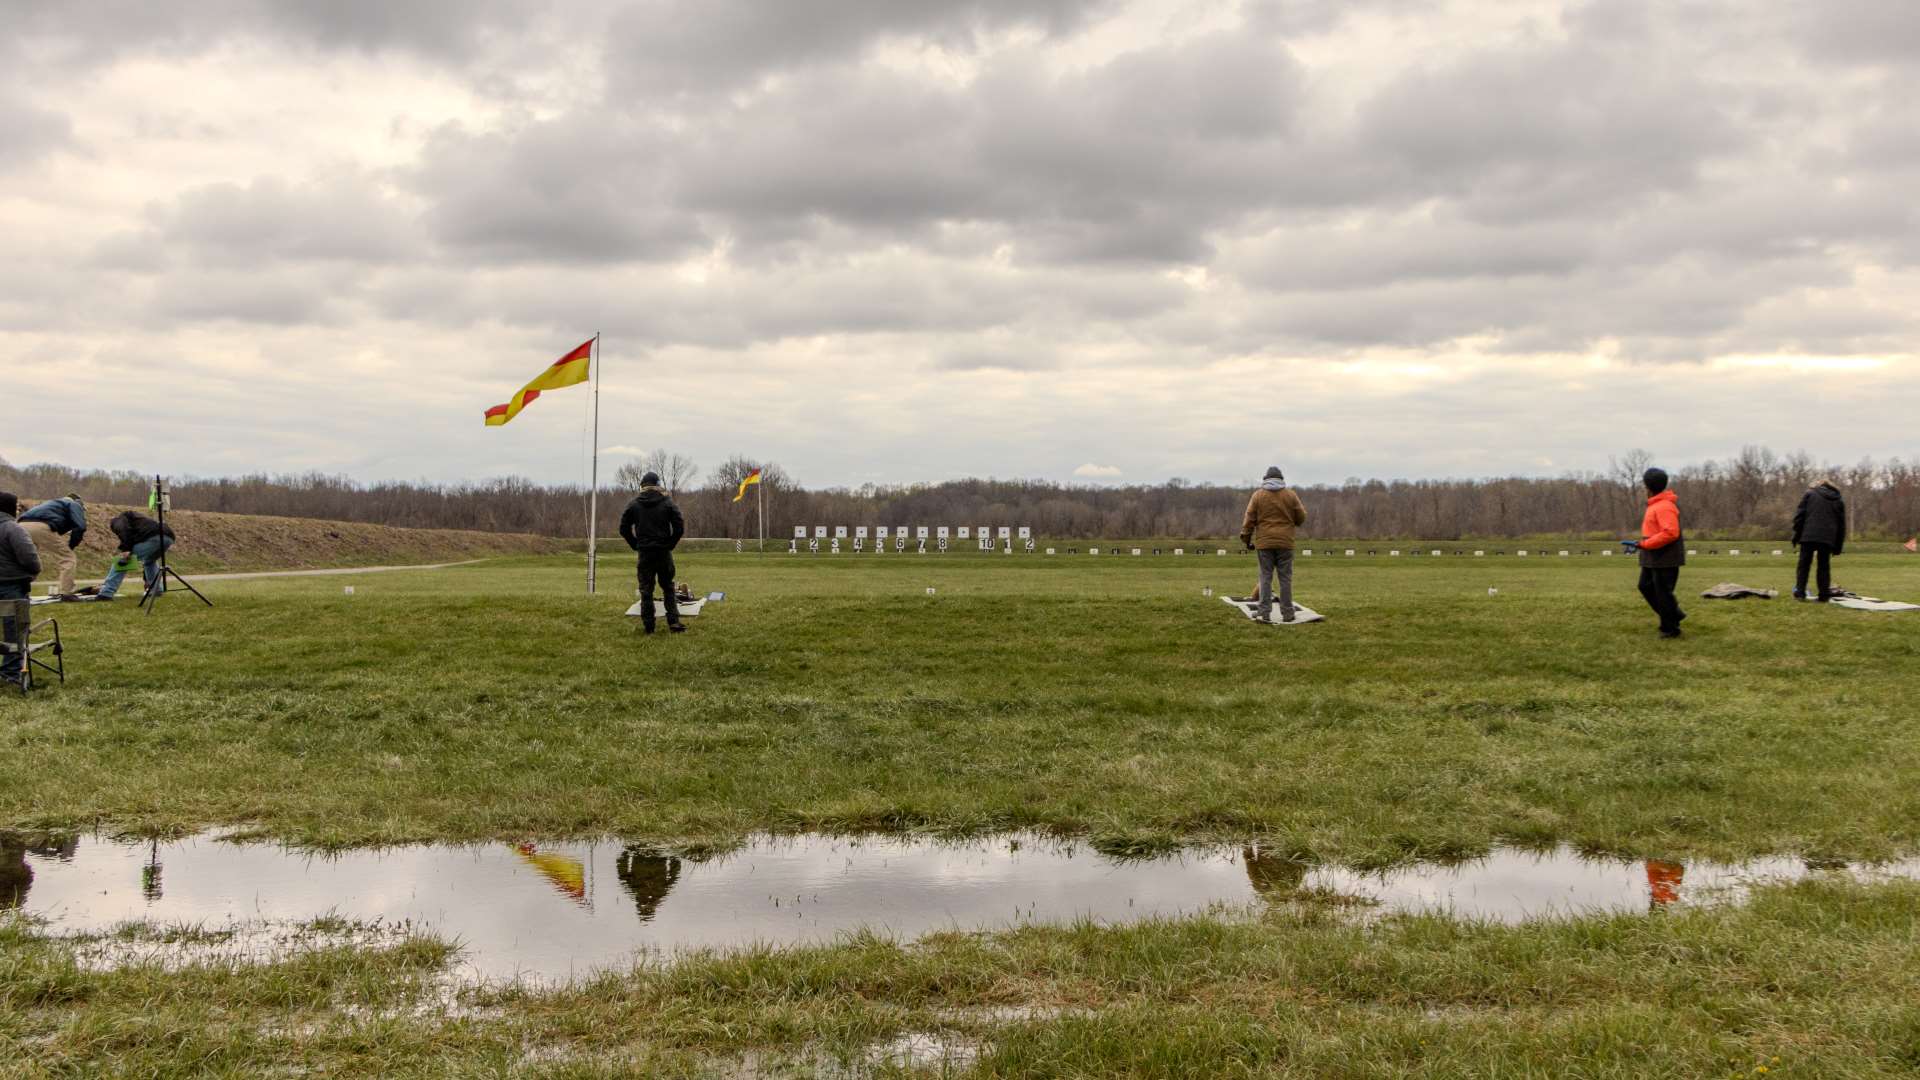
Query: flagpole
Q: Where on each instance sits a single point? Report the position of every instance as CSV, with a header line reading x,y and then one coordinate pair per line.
x,y
593,482
762,485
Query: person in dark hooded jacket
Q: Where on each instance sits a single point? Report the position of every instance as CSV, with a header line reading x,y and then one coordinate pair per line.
x,y
1820,532
19,565
652,526
142,540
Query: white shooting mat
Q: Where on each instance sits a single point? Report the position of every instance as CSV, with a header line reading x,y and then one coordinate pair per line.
x,y
1869,603
687,607
1301,613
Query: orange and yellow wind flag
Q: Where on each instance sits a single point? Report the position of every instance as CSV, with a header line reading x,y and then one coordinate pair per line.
x,y
752,478
569,370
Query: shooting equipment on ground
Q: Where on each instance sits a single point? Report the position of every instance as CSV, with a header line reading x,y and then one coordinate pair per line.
x,y
157,588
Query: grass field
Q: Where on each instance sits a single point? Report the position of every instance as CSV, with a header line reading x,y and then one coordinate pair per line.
x,y
1103,697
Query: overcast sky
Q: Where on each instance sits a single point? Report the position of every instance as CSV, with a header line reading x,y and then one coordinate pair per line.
x,y
898,240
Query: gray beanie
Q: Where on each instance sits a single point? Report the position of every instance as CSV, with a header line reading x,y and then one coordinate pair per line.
x,y
1273,473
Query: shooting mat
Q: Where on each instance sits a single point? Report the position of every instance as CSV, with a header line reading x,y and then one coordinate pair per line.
x,y
688,608
1870,603
1248,605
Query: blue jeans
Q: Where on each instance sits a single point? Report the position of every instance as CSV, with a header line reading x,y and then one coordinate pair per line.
x,y
148,552
11,590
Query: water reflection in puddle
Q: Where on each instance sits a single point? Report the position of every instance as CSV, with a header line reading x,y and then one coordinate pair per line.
x,y
552,911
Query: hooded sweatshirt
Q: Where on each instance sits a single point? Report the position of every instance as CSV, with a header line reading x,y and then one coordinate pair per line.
x,y
652,522
1663,545
1272,515
1821,517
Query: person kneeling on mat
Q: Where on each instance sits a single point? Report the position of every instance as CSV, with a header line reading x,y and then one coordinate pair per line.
x,y
652,526
1273,513
141,538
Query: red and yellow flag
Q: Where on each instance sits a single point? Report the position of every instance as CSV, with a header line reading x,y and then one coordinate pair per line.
x,y
752,478
567,874
569,370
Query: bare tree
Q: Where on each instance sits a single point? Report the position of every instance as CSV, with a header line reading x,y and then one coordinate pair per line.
x,y
677,471
1750,496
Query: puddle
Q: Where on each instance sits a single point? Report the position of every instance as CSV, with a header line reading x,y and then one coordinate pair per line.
x,y
554,911
922,1050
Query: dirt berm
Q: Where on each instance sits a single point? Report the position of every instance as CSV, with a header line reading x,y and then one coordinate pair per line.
x,y
209,543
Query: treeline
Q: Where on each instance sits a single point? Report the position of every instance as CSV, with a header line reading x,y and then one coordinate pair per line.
x,y
1748,496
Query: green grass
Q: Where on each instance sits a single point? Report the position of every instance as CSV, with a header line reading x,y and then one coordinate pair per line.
x,y
1819,979
1100,696
1104,697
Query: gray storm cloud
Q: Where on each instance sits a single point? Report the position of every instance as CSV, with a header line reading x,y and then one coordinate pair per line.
x,y
966,208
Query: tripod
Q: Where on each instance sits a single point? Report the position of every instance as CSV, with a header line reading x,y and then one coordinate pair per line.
x,y
158,586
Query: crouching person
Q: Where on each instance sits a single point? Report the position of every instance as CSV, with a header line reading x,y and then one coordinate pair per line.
x,y
57,527
141,538
19,565
652,527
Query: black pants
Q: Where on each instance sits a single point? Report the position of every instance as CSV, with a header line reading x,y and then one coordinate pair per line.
x,y
11,662
657,565
1656,584
1807,554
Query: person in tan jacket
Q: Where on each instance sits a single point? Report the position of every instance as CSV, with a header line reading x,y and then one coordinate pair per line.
x,y
1272,515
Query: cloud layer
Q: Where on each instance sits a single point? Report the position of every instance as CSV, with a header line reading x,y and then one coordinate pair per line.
x,y
913,239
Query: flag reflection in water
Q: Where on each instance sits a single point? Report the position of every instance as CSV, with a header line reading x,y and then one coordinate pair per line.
x,y
567,873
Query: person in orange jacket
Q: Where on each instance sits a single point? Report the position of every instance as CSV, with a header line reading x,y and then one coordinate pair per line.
x,y
1663,551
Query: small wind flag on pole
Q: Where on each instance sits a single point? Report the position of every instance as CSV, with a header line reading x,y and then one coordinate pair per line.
x,y
752,478
1913,544
570,370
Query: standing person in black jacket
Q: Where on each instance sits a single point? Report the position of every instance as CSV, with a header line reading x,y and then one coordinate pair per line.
x,y
652,526
1820,532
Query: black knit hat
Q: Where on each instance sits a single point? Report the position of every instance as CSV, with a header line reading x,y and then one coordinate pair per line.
x,y
652,479
9,503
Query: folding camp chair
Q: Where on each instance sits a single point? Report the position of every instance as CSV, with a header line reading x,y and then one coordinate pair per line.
x,y
24,645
